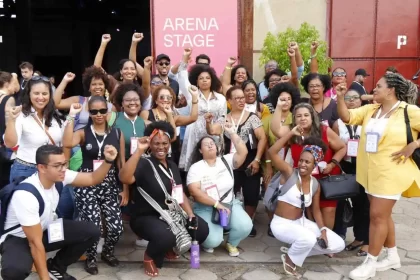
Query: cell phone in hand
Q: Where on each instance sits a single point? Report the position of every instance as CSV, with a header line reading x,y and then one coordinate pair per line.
x,y
248,172
321,243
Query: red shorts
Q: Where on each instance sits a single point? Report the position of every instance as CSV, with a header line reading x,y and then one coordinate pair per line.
x,y
327,203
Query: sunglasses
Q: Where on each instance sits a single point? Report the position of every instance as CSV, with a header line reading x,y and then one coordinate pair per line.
x,y
94,112
38,78
164,63
165,98
156,83
339,74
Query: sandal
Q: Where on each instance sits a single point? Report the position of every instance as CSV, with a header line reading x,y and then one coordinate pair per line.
x,y
287,266
361,253
352,247
170,255
329,255
150,268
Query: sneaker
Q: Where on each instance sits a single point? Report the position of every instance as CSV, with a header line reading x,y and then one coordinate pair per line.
x,y
141,243
208,250
91,267
100,245
233,251
364,271
253,232
391,261
56,274
110,260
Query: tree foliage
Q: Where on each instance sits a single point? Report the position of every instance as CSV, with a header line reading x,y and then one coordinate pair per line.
x,y
275,48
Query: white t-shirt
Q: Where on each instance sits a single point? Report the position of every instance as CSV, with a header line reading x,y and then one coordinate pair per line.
x,y
147,104
31,136
217,175
23,208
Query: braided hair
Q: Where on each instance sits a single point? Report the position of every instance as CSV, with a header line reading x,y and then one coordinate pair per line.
x,y
413,92
401,87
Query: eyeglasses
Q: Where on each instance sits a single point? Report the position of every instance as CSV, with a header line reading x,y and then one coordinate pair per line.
x,y
351,98
240,98
43,78
135,100
164,63
94,112
315,86
156,83
274,80
339,74
165,98
59,166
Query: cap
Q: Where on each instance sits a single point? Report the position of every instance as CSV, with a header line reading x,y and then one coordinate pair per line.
x,y
163,56
361,72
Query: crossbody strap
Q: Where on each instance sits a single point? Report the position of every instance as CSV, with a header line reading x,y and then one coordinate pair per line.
x,y
408,126
45,130
231,174
157,176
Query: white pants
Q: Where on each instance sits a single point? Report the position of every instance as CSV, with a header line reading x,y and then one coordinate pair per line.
x,y
302,234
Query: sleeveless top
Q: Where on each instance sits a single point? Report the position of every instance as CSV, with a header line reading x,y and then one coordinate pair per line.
x,y
90,149
292,196
82,118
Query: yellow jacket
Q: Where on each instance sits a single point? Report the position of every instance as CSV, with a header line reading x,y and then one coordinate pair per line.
x,y
376,172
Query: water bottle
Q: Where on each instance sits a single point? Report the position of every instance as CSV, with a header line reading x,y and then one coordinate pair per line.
x,y
195,253
223,218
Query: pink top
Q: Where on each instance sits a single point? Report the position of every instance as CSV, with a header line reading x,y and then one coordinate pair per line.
x,y
331,93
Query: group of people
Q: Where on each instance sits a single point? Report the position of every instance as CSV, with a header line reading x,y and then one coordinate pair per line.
x,y
183,155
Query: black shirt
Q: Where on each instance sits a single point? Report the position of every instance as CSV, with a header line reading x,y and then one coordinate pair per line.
x,y
359,88
328,114
145,179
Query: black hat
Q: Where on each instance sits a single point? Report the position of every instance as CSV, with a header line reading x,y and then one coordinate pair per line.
x,y
361,72
163,56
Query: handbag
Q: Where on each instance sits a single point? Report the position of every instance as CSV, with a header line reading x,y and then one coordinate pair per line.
x,y
348,220
416,154
336,187
215,215
175,216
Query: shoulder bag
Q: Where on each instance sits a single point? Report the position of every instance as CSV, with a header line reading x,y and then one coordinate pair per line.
x,y
175,216
215,215
416,154
336,187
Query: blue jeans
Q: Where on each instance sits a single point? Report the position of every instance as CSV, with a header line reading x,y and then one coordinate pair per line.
x,y
66,206
240,225
19,169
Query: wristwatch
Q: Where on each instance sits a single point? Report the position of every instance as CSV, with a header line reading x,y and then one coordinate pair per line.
x,y
109,161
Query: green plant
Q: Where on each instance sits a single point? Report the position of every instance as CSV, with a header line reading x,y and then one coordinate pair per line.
x,y
275,48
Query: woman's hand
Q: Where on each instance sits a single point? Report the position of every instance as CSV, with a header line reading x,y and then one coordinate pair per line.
x,y
341,89
75,109
137,37
69,77
223,208
14,112
314,47
255,167
291,52
143,144
297,130
324,236
328,168
168,110
106,38
193,90
268,174
405,153
110,153
124,198
229,128
208,117
148,61
285,79
232,60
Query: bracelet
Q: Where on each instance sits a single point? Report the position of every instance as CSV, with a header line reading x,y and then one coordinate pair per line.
x,y
268,161
216,204
313,56
109,161
257,160
196,102
323,228
228,68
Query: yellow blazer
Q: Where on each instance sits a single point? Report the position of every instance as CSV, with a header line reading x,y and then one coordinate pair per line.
x,y
376,172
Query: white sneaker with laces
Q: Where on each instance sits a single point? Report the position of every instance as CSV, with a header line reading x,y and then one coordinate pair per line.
x,y
364,271
391,261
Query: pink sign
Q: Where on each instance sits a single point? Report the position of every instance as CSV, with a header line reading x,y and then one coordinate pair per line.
x,y
210,29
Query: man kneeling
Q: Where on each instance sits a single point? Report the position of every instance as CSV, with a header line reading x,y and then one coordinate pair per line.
x,y
29,232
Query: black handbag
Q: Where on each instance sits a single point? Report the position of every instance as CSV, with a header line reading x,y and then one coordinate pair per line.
x,y
416,154
215,215
336,187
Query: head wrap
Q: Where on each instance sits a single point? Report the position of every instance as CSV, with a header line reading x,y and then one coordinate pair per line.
x,y
316,152
159,133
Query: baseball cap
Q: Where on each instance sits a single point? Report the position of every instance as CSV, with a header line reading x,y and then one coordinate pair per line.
x,y
163,56
361,72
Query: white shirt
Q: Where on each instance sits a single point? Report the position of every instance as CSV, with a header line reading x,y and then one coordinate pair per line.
x,y
31,136
345,135
23,208
147,104
217,175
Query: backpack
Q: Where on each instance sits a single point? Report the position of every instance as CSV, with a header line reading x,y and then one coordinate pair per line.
x,y
274,190
6,196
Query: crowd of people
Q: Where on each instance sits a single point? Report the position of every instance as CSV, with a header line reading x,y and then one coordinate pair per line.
x,y
185,156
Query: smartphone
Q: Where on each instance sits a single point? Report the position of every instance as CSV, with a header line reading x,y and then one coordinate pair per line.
x,y
248,172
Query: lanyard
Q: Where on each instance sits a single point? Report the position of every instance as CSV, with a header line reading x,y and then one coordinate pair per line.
x,y
251,107
239,122
132,122
171,177
100,144
353,131
380,111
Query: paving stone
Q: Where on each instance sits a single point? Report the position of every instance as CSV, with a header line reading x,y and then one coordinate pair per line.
x,y
274,253
343,269
255,257
413,255
166,278
251,244
271,241
137,274
104,277
414,277
390,275
201,274
261,274
409,245
168,271
313,275
236,274
410,269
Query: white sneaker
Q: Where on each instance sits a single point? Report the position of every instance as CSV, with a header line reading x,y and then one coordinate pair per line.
x,y
391,261
364,271
208,250
100,245
141,243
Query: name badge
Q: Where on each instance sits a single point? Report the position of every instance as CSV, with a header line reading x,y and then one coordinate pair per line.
x,y
372,140
133,145
315,171
352,147
213,192
97,164
55,231
178,193
232,148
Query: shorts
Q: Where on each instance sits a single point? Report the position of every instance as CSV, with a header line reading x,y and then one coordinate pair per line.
x,y
390,197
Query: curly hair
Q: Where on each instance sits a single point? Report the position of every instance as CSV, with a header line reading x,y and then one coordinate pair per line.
x,y
233,73
91,73
316,125
5,77
196,71
403,90
123,89
325,80
155,95
267,76
117,75
49,111
196,156
161,125
288,88
311,140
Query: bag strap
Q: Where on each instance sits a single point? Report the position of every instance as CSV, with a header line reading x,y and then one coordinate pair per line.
x,y
159,180
43,128
227,166
407,125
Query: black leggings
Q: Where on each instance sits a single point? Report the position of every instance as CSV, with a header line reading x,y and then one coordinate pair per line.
x,y
160,237
251,187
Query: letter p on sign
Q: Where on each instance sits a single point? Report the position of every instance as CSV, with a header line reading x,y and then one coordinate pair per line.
x,y
401,41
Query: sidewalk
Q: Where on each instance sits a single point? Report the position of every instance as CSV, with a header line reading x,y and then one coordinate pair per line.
x,y
260,257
